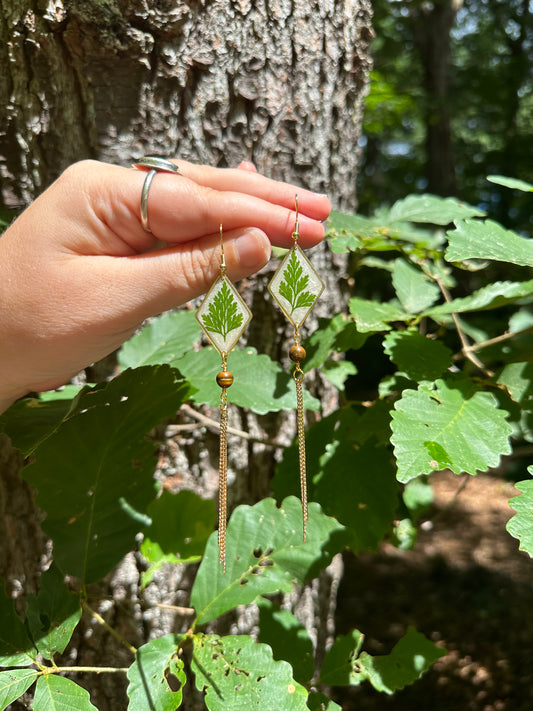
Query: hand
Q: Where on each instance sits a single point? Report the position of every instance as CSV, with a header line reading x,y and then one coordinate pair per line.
x,y
78,273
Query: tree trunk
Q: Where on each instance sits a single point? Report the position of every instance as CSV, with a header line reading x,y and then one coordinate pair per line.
x,y
432,24
279,83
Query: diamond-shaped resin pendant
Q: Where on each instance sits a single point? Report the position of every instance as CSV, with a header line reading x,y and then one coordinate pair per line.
x,y
223,317
296,287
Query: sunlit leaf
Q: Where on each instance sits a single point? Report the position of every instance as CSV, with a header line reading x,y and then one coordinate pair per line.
x,y
448,425
339,667
474,239
431,209
164,339
260,384
373,316
521,524
414,289
265,554
240,674
511,183
493,296
157,676
14,683
57,693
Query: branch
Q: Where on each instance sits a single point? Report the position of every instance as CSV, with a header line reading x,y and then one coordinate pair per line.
x,y
111,631
96,670
214,426
466,348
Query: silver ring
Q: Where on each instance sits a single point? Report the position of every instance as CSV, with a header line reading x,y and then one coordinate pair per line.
x,y
156,165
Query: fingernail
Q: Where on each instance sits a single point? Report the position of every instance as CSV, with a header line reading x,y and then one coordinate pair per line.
x,y
252,249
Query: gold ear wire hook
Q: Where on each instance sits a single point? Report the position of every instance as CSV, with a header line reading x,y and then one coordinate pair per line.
x,y
222,256
296,233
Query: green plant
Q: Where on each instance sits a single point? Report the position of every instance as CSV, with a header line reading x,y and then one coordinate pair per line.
x,y
456,393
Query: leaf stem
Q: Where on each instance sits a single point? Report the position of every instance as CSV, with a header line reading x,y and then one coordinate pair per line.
x,y
111,631
96,670
466,348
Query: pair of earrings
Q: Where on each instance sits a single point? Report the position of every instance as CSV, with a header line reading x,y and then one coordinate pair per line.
x,y
224,316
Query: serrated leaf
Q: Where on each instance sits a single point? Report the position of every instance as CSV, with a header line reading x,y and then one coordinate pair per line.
x,y
16,648
511,183
157,676
448,425
222,316
410,658
260,384
265,554
473,239
521,524
181,525
419,357
357,486
94,475
372,316
287,637
414,289
431,209
163,340
239,673
14,683
339,666
57,693
493,296
338,372
53,614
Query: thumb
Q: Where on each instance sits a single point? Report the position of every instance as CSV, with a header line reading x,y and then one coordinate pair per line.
x,y
147,284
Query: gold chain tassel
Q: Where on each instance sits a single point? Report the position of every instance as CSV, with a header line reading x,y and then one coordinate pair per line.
x,y
223,478
297,354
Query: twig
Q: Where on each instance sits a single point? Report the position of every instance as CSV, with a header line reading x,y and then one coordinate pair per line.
x,y
111,631
96,670
500,339
215,426
466,349
177,608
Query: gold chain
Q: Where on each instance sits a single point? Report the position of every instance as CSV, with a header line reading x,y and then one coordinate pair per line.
x,y
299,376
223,477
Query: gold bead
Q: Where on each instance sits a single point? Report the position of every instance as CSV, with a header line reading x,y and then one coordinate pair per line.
x,y
297,353
224,379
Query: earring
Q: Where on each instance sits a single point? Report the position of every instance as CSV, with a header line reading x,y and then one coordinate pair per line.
x,y
296,287
223,317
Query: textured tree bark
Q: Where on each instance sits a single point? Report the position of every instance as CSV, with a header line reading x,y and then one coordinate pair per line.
x,y
280,83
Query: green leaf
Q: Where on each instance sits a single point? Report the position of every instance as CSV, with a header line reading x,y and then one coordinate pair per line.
x,y
260,384
408,661
493,296
16,649
419,357
473,239
340,663
265,554
57,693
295,283
338,372
431,209
53,615
288,638
222,316
181,525
511,183
157,676
14,683
163,340
30,421
518,379
448,425
319,702
239,673
418,496
357,486
371,316
521,524
414,289
94,476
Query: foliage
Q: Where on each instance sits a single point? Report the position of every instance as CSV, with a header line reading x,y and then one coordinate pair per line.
x,y
453,390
